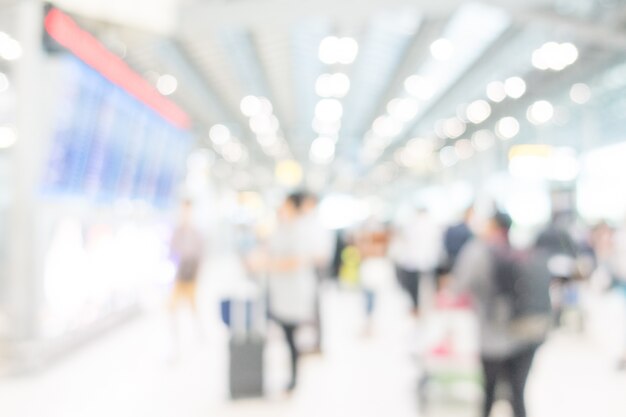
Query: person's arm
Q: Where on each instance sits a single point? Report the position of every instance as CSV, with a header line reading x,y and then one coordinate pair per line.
x,y
284,264
472,269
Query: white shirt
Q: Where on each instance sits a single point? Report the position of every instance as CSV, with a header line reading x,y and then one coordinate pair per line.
x,y
418,244
292,294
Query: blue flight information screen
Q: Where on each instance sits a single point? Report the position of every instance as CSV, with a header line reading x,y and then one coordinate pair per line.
x,y
106,145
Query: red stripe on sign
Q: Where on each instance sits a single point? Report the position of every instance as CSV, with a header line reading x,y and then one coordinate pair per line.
x,y
85,46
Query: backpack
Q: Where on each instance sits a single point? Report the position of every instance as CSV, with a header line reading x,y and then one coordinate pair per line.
x,y
524,279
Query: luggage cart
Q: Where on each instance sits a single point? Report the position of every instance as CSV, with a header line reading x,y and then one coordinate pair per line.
x,y
451,377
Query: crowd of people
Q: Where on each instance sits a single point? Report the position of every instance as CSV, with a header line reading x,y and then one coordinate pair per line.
x,y
512,291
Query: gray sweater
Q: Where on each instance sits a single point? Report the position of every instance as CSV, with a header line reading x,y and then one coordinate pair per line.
x,y
473,274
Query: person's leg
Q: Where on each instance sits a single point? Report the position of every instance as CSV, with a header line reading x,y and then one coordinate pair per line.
x,y
370,302
413,278
290,333
318,312
173,307
491,369
517,369
191,295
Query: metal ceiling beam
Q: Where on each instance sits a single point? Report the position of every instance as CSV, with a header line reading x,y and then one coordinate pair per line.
x,y
173,58
201,16
604,34
207,107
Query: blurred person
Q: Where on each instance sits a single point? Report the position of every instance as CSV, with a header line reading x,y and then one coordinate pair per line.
x,y
609,246
619,271
417,249
490,271
186,250
373,244
556,240
350,261
292,281
321,244
455,237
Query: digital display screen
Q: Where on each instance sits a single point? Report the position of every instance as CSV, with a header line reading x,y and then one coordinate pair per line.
x,y
106,145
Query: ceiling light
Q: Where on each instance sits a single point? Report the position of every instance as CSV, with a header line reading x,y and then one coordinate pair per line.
x,y
464,148
288,173
219,134
347,51
539,60
507,128
267,140
580,93
340,84
387,126
453,128
328,110
448,156
266,106
167,84
540,112
496,91
233,152
515,87
568,53
322,150
10,49
478,111
442,49
8,137
335,50
264,125
483,139
419,87
403,109
250,106
555,56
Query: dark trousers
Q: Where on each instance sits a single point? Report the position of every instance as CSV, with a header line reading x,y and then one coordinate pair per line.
x,y
515,371
290,336
409,281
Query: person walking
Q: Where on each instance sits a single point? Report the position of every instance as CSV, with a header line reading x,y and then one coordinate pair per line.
x,y
485,270
416,249
186,251
292,280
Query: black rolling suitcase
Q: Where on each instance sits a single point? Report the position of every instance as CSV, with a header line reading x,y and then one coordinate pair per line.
x,y
246,366
247,347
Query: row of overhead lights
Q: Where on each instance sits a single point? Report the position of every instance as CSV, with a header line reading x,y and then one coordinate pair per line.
x,y
331,87
551,56
540,112
227,145
264,124
555,56
402,110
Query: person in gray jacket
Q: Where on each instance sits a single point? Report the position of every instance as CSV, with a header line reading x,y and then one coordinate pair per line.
x,y
503,354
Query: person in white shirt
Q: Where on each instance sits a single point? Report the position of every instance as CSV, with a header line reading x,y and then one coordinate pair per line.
x,y
292,283
321,242
417,249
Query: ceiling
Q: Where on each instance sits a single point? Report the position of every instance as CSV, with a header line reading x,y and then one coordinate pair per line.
x,y
222,51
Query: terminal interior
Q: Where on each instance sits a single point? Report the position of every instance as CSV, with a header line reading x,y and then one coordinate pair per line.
x,y
120,118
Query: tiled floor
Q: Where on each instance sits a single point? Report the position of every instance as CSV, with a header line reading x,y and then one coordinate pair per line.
x,y
130,372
